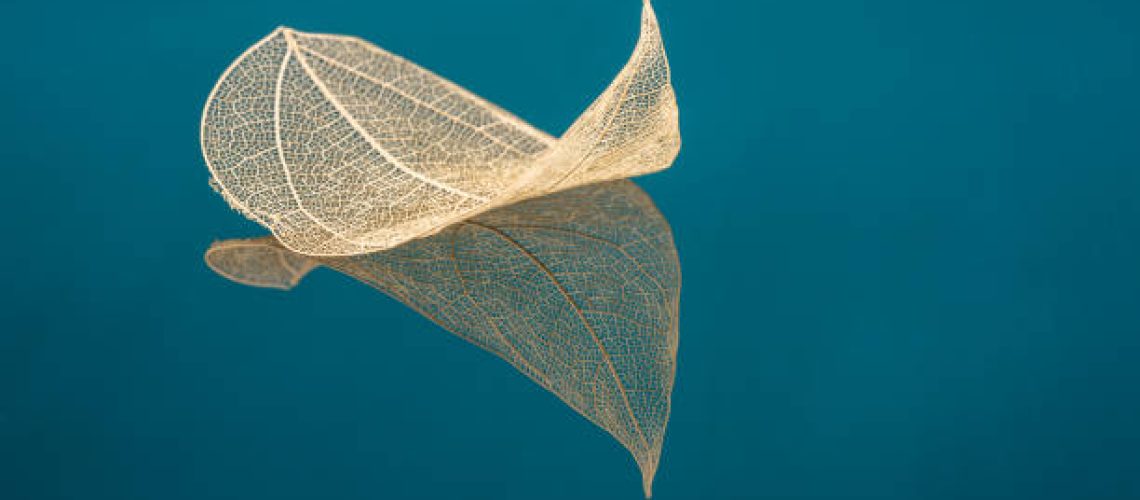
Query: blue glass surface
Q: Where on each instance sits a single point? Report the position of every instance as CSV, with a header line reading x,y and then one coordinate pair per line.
x,y
909,231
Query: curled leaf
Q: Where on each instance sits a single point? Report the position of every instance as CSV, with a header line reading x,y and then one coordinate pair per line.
x,y
341,148
577,290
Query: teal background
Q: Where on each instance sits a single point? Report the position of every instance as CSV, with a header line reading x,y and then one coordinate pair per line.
x,y
909,234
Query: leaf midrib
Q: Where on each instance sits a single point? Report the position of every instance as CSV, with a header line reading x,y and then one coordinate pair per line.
x,y
581,316
296,52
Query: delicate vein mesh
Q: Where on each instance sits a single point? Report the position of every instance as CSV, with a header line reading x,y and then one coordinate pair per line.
x,y
341,148
578,290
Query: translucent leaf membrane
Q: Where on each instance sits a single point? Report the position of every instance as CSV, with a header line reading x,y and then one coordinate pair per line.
x,y
577,290
630,130
341,148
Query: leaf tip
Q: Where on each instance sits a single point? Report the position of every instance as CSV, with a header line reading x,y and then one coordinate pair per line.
x,y
647,10
282,30
648,471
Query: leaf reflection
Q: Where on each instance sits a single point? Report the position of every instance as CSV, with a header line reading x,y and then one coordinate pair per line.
x,y
577,290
